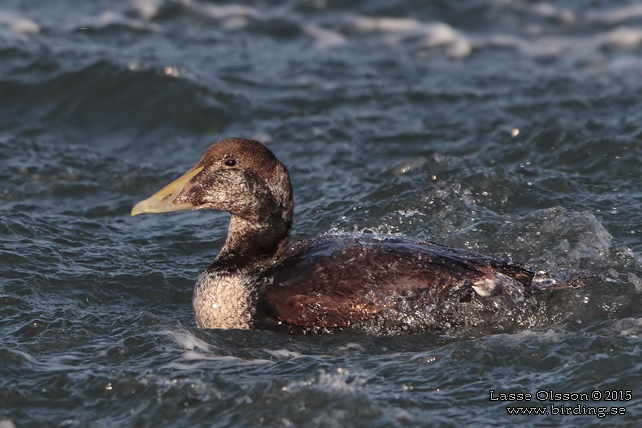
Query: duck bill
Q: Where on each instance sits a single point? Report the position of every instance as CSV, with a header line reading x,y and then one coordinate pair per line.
x,y
163,200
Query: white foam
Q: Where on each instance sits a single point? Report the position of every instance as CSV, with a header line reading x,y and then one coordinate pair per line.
x,y
187,340
110,18
383,25
18,24
351,345
535,38
283,353
623,38
221,12
561,237
199,356
338,381
324,38
547,10
427,35
146,9
615,16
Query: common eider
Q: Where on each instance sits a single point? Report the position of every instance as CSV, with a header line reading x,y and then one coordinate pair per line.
x,y
330,283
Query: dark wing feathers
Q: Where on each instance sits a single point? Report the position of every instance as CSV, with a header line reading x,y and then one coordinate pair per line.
x,y
340,283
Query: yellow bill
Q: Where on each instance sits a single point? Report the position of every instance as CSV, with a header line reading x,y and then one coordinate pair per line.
x,y
163,200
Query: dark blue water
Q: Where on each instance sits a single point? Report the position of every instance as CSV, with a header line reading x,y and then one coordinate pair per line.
x,y
511,128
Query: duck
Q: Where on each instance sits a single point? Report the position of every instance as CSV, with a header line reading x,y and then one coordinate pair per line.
x,y
329,283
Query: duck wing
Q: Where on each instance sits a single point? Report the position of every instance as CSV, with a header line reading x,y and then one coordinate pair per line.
x,y
352,282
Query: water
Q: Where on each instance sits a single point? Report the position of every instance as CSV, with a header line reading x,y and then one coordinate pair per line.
x,y
507,127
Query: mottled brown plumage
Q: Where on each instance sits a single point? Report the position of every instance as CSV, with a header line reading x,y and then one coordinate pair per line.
x,y
381,286
393,286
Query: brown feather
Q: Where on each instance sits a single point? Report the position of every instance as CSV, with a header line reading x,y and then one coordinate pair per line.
x,y
348,282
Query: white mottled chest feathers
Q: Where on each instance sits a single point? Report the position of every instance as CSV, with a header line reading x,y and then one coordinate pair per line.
x,y
224,301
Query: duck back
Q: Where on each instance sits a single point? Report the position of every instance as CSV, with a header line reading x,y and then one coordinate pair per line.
x,y
393,286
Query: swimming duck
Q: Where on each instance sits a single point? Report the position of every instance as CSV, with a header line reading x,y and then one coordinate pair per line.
x,y
378,285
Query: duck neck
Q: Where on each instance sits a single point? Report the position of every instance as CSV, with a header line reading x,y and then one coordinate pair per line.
x,y
252,243
226,293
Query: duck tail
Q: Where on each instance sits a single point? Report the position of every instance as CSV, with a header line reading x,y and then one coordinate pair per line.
x,y
543,280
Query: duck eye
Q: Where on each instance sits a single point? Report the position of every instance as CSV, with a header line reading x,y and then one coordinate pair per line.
x,y
230,162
